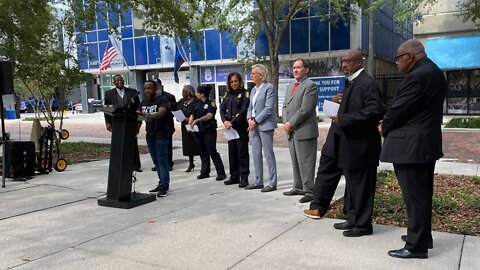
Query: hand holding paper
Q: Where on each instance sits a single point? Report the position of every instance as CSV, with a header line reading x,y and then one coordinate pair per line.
x,y
330,108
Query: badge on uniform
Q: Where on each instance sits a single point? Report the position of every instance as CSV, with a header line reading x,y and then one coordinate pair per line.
x,y
247,94
212,104
239,96
205,106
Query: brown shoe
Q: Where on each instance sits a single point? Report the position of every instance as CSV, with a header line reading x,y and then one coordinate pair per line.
x,y
312,213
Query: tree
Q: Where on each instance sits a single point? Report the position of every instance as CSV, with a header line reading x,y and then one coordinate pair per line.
x,y
470,10
32,35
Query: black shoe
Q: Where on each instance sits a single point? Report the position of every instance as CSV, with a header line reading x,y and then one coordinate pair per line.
x,y
190,168
253,186
162,193
357,232
404,253
293,192
429,245
343,225
268,189
231,182
221,177
203,175
243,184
137,170
157,189
305,199
154,169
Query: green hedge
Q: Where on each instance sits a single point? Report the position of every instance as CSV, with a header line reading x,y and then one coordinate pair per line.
x,y
464,123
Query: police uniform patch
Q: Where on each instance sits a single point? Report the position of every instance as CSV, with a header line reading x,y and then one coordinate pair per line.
x,y
212,104
205,106
247,94
239,96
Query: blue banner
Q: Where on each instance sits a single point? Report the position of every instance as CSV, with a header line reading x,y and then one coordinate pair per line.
x,y
328,87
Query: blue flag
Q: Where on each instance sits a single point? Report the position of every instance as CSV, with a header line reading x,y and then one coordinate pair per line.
x,y
179,60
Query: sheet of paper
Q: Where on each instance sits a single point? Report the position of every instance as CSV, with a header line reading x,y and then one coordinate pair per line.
x,y
230,134
193,128
330,108
179,115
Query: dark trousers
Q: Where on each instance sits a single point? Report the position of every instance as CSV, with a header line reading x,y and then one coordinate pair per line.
x,y
326,182
170,150
207,142
361,190
416,181
136,154
239,158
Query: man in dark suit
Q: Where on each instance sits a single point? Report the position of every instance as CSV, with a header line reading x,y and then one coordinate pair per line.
x,y
122,96
358,143
301,126
413,142
172,106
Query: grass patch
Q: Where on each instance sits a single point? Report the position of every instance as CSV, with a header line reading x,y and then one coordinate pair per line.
x,y
455,204
464,123
76,152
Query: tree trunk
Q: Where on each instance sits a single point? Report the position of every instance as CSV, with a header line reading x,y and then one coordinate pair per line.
x,y
275,66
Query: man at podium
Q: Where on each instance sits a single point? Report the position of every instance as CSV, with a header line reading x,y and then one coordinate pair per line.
x,y
122,96
154,108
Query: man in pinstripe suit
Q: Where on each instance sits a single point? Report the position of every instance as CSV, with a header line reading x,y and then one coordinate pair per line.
x,y
359,143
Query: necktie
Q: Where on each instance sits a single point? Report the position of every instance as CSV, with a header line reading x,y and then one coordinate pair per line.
x,y
294,88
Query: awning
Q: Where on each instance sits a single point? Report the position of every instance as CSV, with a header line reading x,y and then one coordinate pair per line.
x,y
454,52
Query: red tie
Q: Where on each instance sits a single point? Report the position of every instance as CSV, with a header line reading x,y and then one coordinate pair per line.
x,y
294,88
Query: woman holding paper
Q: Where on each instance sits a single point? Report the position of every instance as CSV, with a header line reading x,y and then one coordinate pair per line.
x,y
203,116
186,105
262,123
234,112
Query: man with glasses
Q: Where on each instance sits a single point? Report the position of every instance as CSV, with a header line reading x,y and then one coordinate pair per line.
x,y
413,142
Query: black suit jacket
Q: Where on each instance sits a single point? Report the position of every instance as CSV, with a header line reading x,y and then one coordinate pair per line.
x,y
130,99
358,138
412,126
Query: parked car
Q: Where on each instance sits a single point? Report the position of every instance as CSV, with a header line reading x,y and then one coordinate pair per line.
x,y
30,105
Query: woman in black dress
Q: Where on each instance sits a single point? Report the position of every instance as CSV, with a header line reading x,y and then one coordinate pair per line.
x,y
189,145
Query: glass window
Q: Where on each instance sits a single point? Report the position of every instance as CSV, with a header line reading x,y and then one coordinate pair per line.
x,y
457,83
127,45
91,36
212,42
261,45
93,54
102,35
127,32
197,55
300,36
340,36
318,35
285,44
141,51
229,50
153,49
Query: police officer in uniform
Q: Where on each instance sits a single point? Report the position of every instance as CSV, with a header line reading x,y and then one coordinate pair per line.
x,y
234,112
204,117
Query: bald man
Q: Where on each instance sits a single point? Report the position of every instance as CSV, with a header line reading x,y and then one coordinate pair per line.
x,y
413,142
357,143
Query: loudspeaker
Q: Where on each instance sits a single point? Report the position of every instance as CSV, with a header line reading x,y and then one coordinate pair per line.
x,y
19,159
6,78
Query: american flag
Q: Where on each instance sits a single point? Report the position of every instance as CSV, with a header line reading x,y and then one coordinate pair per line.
x,y
108,56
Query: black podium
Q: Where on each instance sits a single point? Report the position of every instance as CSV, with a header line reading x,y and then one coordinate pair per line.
x,y
119,187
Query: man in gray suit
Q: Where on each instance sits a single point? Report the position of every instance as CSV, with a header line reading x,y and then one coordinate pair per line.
x,y
300,124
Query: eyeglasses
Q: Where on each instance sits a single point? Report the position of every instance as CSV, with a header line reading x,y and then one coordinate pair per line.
x,y
400,55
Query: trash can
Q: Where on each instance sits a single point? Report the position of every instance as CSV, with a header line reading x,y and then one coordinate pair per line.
x,y
11,114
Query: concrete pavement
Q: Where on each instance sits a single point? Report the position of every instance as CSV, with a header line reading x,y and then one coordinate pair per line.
x,y
53,222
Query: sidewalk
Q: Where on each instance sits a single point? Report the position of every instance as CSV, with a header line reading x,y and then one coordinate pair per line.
x,y
53,222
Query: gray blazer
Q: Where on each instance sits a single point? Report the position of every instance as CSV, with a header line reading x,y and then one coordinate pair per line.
x,y
299,110
264,114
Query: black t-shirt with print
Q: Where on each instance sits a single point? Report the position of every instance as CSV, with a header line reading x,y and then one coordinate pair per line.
x,y
156,128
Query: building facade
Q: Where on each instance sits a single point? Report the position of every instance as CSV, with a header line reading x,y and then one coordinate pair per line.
x,y
454,45
144,57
